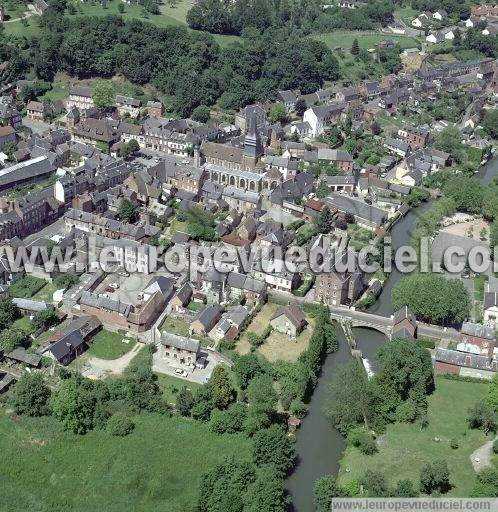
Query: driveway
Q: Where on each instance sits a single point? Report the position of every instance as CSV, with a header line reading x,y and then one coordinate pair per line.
x,y
100,368
483,456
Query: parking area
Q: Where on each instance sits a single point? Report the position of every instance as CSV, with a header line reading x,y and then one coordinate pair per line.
x,y
167,367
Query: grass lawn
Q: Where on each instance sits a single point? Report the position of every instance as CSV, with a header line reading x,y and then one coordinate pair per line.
x,y
344,39
24,324
17,28
406,14
46,293
108,345
404,448
171,385
277,346
169,17
26,287
157,467
175,326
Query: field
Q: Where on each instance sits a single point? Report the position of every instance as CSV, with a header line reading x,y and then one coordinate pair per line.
x,y
175,326
157,467
171,385
108,345
24,324
276,346
344,39
404,448
406,14
26,286
170,16
46,293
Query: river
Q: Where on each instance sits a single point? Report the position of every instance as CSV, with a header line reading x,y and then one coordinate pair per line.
x,y
319,446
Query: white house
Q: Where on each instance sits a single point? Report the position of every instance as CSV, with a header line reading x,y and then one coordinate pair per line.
x,y
440,14
318,117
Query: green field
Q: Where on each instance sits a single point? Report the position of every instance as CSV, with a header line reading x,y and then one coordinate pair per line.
x,y
27,287
108,345
157,467
17,28
24,324
344,39
405,448
171,385
169,17
406,14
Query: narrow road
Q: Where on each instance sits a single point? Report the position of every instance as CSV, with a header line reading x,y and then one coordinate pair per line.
x,y
115,366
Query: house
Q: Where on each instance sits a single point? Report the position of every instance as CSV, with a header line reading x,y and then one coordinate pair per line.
x,y
288,98
39,6
181,298
340,183
289,320
9,114
29,307
348,4
396,27
367,216
7,135
21,355
80,97
491,307
67,349
448,361
319,116
154,109
36,110
416,137
179,349
422,20
230,323
206,319
6,379
335,288
476,339
404,324
396,146
340,158
127,105
257,112
440,14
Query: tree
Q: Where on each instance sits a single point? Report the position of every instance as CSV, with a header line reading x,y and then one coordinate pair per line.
x,y
184,401
223,488
201,114
31,395
375,128
450,140
229,421
9,312
273,446
404,489
203,404
435,476
221,388
405,377
322,190
481,415
45,319
324,221
9,148
432,298
324,490
104,95
351,398
490,123
266,493
374,483
141,392
260,393
127,211
74,405
246,367
355,48
11,338
300,107
467,192
130,148
278,113
120,425
121,8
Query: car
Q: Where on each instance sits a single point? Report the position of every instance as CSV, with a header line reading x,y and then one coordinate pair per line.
x,y
103,295
180,372
114,286
123,273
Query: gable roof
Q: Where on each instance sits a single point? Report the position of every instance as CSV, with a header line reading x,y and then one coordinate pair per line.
x,y
293,313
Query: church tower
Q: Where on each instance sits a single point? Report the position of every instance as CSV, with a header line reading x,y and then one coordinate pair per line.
x,y
253,148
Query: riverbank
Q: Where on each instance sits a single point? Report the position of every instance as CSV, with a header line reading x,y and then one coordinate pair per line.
x,y
319,446
415,446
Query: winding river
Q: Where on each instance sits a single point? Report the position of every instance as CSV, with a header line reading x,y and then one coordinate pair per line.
x,y
319,446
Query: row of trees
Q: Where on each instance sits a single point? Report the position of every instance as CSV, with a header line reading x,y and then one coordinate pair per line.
x,y
188,65
234,17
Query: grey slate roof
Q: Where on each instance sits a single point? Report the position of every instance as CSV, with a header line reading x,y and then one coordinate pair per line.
x,y
180,342
66,345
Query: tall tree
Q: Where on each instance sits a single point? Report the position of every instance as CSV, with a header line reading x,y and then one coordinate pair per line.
x,y
221,388
104,95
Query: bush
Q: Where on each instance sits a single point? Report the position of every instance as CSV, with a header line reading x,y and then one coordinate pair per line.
x,y
495,446
426,343
120,425
363,441
454,444
298,408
